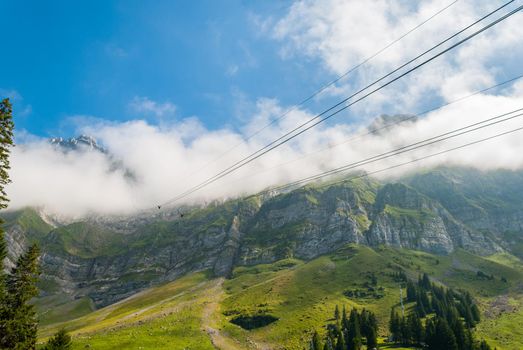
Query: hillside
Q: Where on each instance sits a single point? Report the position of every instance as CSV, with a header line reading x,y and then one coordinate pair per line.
x,y
195,311
448,222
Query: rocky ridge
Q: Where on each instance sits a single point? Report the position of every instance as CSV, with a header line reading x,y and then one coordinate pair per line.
x,y
433,211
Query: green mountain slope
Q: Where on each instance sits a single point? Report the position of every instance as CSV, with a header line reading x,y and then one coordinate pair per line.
x,y
195,311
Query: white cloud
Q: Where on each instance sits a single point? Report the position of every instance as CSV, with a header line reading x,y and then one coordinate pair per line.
x,y
144,105
340,34
169,158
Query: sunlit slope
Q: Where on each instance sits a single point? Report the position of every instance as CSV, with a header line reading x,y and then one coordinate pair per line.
x,y
195,312
164,317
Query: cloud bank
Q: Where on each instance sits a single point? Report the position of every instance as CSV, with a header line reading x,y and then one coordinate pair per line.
x,y
167,159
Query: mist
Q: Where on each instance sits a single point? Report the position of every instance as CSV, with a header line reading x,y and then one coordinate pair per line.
x,y
166,160
157,162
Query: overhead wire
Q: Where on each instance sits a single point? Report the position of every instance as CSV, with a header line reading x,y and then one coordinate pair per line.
x,y
408,148
386,126
424,157
272,145
327,85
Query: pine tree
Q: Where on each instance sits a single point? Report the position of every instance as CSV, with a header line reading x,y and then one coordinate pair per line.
x,y
344,319
420,309
62,341
6,142
416,328
425,301
372,339
354,331
315,342
395,326
20,318
337,313
430,331
340,342
405,331
461,335
441,336
484,346
425,282
328,344
475,312
411,292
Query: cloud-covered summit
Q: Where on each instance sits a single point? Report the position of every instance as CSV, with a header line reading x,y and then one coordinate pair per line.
x,y
167,158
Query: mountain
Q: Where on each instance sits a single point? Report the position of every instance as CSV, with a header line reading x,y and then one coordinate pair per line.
x,y
82,142
447,213
295,296
436,211
86,143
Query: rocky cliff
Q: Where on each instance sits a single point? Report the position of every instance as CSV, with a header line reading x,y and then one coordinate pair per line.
x,y
436,211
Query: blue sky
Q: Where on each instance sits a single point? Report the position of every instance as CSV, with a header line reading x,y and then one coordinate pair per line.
x,y
168,60
92,58
133,74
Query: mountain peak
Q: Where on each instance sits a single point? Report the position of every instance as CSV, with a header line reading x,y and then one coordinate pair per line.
x,y
82,142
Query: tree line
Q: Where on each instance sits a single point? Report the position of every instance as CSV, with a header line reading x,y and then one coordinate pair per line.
x,y
449,316
348,332
18,321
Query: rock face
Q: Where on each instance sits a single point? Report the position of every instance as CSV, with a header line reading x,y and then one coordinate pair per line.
x,y
405,218
437,211
82,142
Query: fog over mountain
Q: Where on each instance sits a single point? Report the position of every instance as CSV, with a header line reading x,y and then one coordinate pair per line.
x,y
167,159
148,163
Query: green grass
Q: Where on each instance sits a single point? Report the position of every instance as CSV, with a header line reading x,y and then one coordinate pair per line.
x,y
420,216
506,259
302,295
85,240
59,308
158,318
504,330
179,330
30,221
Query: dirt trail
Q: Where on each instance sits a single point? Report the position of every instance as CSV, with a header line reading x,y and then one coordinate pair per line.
x,y
209,317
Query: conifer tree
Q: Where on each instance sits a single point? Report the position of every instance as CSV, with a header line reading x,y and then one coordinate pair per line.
x,y
372,339
475,312
344,319
425,282
441,337
315,342
463,337
411,292
328,344
405,331
354,331
420,308
6,142
395,326
62,341
484,346
340,342
427,306
415,329
337,313
19,317
430,331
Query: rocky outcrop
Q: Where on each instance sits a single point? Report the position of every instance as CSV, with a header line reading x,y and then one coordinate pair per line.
x,y
225,260
109,260
405,218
